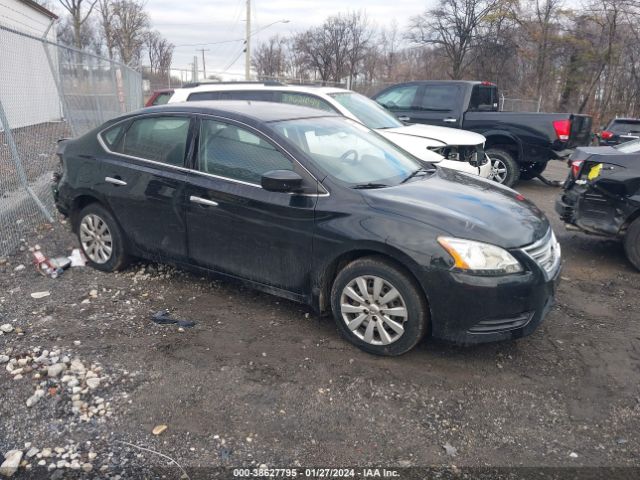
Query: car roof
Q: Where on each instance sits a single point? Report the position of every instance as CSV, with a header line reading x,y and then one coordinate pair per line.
x,y
238,86
242,110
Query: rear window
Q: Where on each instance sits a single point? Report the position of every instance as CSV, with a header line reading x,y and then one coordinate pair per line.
x,y
624,126
484,98
162,98
305,100
440,98
203,96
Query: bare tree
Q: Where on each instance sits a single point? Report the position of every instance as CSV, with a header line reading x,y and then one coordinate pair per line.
x,y
129,26
269,59
160,53
389,46
107,23
452,25
79,10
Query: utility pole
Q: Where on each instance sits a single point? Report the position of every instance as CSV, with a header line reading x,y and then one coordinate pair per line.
x,y
204,66
247,44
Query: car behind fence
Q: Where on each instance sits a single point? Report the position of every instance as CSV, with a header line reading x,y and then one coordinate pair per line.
x,y
48,91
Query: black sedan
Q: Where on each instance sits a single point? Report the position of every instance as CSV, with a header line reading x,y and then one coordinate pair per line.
x,y
316,208
602,194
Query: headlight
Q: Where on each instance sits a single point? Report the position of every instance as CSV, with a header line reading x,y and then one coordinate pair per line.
x,y
480,258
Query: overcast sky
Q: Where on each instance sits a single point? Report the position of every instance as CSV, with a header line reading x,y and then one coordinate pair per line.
x,y
188,22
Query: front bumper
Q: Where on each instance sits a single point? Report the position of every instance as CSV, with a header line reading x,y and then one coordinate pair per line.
x,y
469,309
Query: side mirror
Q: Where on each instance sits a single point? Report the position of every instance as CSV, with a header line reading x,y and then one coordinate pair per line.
x,y
281,181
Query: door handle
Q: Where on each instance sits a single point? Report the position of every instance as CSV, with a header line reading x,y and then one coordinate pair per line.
x,y
404,118
115,181
450,120
203,201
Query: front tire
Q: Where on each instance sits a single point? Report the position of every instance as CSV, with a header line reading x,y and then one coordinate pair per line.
x,y
101,239
378,307
505,170
632,243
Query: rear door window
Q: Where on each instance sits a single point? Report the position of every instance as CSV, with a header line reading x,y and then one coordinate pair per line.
x,y
160,139
399,98
440,98
229,151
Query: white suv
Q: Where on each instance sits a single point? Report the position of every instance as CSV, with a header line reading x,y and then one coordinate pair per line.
x,y
448,147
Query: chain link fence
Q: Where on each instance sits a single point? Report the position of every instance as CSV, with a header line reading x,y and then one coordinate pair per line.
x,y
48,92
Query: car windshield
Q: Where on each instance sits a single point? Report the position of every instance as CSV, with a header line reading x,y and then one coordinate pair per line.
x,y
349,151
629,147
366,110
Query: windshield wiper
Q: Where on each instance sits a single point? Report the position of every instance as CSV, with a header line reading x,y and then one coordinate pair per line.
x,y
365,186
414,174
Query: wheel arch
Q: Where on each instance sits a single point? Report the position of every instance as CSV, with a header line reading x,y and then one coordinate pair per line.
x,y
505,141
329,271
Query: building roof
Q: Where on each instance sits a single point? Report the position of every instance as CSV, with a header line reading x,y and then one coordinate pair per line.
x,y
39,8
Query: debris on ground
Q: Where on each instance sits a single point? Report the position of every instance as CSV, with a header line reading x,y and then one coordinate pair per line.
x,y
77,258
159,429
163,317
38,295
450,450
49,267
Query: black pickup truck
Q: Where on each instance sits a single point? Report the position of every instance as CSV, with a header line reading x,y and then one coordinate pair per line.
x,y
519,144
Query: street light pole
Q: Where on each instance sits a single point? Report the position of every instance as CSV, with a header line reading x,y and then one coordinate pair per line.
x,y
247,44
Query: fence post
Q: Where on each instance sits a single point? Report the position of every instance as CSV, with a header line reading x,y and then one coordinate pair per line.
x,y
18,163
61,95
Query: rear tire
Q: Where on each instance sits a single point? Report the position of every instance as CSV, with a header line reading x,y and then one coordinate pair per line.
x,y
101,239
389,318
505,170
632,243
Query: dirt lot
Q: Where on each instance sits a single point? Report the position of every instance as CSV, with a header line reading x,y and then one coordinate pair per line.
x,y
262,381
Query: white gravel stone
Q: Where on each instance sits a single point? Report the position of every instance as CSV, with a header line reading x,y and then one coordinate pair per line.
x,y
32,452
4,359
93,383
56,369
42,463
87,467
35,398
11,462
6,328
46,452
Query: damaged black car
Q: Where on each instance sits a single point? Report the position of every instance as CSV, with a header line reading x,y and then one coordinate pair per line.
x,y
602,194
316,208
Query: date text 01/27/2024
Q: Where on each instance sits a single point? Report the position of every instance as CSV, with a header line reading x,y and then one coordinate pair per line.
x,y
316,472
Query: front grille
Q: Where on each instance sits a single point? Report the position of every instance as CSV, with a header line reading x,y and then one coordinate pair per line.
x,y
502,324
546,253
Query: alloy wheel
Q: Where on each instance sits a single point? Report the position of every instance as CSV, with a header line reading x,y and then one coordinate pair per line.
x,y
96,238
373,310
498,170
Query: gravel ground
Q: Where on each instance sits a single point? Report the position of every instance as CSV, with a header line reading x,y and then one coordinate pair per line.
x,y
261,381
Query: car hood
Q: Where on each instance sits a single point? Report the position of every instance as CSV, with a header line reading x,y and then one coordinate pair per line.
x,y
417,146
448,136
464,206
